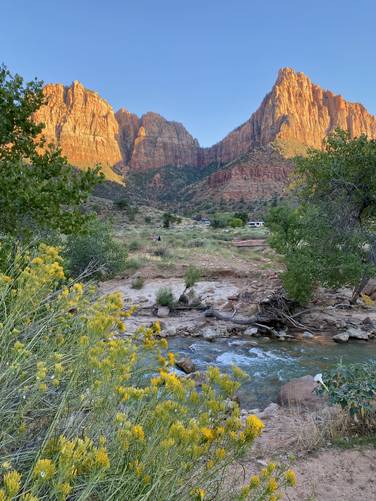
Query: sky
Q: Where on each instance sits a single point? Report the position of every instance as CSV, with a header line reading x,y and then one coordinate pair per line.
x,y
205,63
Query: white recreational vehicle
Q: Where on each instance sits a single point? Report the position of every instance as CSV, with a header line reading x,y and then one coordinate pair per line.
x,y
255,224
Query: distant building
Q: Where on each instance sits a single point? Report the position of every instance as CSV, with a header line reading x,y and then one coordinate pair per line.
x,y
255,224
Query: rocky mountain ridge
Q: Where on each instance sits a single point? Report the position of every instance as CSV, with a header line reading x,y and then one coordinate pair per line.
x,y
295,114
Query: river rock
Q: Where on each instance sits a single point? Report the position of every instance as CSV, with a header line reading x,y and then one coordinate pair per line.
x,y
269,411
370,288
193,298
342,337
251,331
186,365
210,332
308,335
163,312
300,393
357,334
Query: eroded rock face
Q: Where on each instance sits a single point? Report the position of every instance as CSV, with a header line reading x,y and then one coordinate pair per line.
x,y
294,115
129,125
261,174
160,143
83,125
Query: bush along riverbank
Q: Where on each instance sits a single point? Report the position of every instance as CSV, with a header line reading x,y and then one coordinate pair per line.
x,y
83,416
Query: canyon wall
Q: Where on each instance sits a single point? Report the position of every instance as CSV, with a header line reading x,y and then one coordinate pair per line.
x,y
295,114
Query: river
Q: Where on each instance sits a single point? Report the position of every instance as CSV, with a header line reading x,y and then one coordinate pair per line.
x,y
270,364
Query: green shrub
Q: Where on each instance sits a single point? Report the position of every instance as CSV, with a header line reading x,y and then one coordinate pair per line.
x,y
133,264
168,219
95,252
196,243
138,283
219,221
147,219
162,252
191,276
241,215
122,204
135,245
353,387
236,222
79,420
165,297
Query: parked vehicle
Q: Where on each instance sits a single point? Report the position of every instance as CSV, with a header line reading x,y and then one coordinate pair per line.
x,y
255,224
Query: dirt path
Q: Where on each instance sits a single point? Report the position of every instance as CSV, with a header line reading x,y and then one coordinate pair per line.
x,y
336,475
328,473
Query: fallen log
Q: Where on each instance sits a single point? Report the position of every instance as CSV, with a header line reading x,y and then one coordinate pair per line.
x,y
252,321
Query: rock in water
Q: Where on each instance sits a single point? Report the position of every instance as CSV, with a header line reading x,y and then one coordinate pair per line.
x,y
186,365
300,392
251,331
342,337
357,334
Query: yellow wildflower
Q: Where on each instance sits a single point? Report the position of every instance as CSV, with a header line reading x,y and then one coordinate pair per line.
x,y
168,443
44,469
171,358
12,482
272,485
64,488
37,261
254,426
29,497
208,433
254,482
3,496
239,373
164,343
199,494
138,432
220,453
101,458
290,477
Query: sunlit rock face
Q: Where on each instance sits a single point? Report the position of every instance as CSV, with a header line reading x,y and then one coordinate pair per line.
x,y
295,114
160,142
257,175
83,125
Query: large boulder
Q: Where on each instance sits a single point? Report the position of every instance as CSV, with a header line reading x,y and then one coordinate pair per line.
x,y
355,333
370,288
186,365
342,337
300,393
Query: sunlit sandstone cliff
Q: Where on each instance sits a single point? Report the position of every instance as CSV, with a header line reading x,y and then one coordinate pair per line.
x,y
295,114
83,125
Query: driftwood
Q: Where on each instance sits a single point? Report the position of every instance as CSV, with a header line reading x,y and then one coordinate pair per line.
x,y
252,321
275,312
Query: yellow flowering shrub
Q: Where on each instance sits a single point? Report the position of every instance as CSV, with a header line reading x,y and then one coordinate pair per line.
x,y
90,413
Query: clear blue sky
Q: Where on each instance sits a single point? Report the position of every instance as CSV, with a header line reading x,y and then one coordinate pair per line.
x,y
205,63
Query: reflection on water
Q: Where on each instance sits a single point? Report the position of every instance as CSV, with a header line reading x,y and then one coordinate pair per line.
x,y
271,364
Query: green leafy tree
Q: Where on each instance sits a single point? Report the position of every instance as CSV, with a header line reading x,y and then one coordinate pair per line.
x,y
38,188
330,238
243,216
168,219
236,222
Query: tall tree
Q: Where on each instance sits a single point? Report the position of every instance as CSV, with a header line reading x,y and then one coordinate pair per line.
x,y
330,238
37,186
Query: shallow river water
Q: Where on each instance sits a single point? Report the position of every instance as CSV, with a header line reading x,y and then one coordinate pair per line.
x,y
271,364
